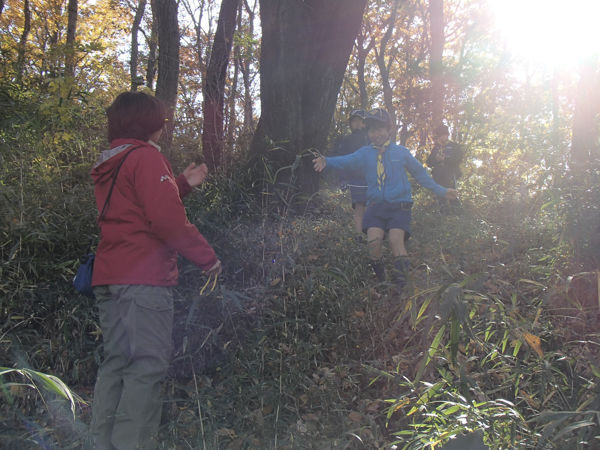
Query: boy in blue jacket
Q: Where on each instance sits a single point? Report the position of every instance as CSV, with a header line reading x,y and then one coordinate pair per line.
x,y
389,199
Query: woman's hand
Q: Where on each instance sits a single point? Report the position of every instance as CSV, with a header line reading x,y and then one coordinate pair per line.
x,y
319,163
214,270
195,175
451,194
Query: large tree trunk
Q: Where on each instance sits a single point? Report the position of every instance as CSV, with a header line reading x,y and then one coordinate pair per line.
x,y
305,50
71,34
584,142
135,27
436,65
214,89
23,41
165,15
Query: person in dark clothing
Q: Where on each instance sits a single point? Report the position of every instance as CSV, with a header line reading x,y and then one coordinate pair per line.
x,y
445,159
355,179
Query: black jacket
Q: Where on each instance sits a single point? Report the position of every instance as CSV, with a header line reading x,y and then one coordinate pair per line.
x,y
349,144
444,173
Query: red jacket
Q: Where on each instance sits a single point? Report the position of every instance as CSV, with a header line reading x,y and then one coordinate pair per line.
x,y
145,224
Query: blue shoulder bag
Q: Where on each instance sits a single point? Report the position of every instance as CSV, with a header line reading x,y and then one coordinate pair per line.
x,y
83,279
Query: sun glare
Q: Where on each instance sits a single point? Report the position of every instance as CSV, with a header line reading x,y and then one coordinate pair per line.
x,y
552,32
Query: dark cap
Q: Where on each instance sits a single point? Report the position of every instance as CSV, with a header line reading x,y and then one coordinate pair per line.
x,y
357,113
379,115
441,130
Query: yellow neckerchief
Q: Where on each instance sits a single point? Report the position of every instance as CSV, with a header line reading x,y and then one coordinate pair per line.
x,y
380,167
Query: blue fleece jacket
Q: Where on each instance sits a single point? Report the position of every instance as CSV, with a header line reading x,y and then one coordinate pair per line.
x,y
397,160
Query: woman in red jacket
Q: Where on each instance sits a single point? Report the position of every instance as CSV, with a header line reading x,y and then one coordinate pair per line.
x,y
143,228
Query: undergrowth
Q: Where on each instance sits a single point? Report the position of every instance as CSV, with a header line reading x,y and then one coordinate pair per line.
x,y
298,346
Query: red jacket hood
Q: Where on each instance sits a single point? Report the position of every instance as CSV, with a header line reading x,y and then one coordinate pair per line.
x,y
109,159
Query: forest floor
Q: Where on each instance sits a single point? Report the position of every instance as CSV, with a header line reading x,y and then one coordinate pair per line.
x,y
298,346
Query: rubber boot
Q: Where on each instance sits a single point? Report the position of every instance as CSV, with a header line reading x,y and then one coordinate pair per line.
x,y
401,267
379,269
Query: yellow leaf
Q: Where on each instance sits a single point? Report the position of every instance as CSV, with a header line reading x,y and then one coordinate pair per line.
x,y
275,282
359,313
312,257
534,342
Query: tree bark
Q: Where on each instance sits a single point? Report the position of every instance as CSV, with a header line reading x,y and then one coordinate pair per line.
x,y
214,89
135,27
305,50
1,6
436,65
23,41
584,142
165,15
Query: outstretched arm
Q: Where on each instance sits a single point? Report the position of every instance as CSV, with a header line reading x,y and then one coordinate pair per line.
x,y
319,163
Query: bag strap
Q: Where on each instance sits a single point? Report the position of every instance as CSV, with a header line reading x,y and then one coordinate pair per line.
x,y
114,181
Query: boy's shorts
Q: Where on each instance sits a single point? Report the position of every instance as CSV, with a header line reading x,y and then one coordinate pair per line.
x,y
388,215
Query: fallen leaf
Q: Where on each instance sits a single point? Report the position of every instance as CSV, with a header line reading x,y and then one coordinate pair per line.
x,y
355,417
17,390
359,313
534,342
275,282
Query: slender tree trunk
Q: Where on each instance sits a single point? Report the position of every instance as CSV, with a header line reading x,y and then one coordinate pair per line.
x,y
23,41
135,27
245,63
214,90
362,53
152,44
165,15
70,55
232,122
384,68
305,50
436,65
1,6
586,130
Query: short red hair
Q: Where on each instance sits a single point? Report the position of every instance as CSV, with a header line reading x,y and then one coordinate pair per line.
x,y
135,115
